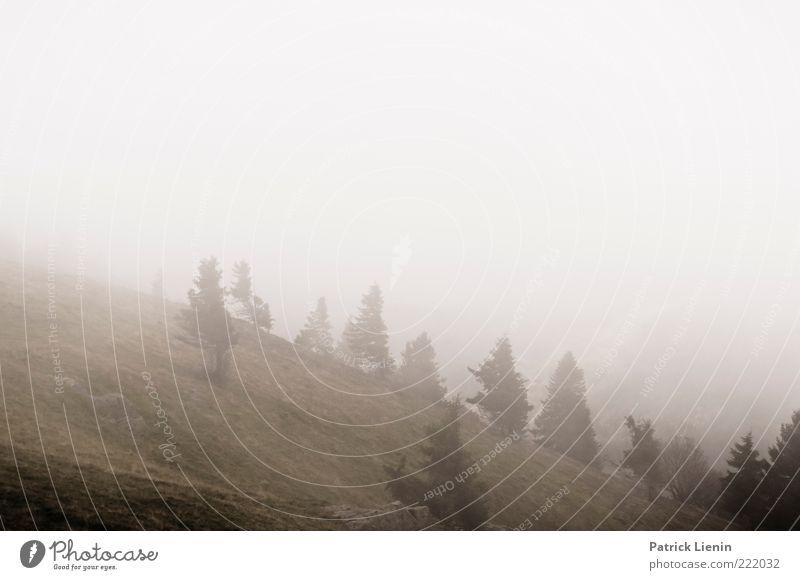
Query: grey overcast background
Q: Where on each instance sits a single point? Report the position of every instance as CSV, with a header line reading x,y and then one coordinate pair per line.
x,y
616,179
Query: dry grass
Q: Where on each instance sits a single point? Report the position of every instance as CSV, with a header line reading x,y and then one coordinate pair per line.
x,y
285,435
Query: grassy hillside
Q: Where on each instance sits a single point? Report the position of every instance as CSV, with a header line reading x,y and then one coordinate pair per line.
x,y
285,437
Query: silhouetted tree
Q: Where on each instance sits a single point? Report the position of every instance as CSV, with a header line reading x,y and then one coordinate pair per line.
x,y
207,319
419,368
252,307
642,457
504,395
565,422
783,478
742,491
365,337
684,466
158,284
316,334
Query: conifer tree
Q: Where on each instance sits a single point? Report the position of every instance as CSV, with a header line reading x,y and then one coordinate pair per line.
x,y
742,492
242,288
365,337
250,306
316,334
448,461
565,422
642,457
262,317
207,319
504,393
419,368
783,478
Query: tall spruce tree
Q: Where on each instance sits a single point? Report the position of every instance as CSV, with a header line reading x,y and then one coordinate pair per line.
x,y
565,422
783,478
316,334
504,395
365,336
207,319
419,368
742,493
642,457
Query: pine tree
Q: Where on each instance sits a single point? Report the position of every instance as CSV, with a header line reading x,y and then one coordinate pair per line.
x,y
250,306
504,393
642,457
448,485
365,337
448,461
242,288
207,319
261,314
565,422
316,334
783,478
742,492
419,368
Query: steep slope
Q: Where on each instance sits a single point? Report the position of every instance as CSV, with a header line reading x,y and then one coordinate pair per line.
x,y
102,384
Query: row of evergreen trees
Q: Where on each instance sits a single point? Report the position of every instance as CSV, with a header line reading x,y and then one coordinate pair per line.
x,y
755,493
365,341
564,422
208,318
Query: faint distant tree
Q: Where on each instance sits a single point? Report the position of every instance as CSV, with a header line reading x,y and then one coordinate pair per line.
x,y
262,317
419,368
250,306
447,489
642,457
743,496
316,334
207,319
504,393
685,466
365,337
242,287
158,284
565,422
783,478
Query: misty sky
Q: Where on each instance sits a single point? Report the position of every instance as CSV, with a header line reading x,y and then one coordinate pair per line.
x,y
619,182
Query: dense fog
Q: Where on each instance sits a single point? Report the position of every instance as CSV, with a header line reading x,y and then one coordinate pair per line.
x,y
619,184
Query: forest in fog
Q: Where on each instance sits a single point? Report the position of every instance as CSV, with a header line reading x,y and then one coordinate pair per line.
x,y
414,266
